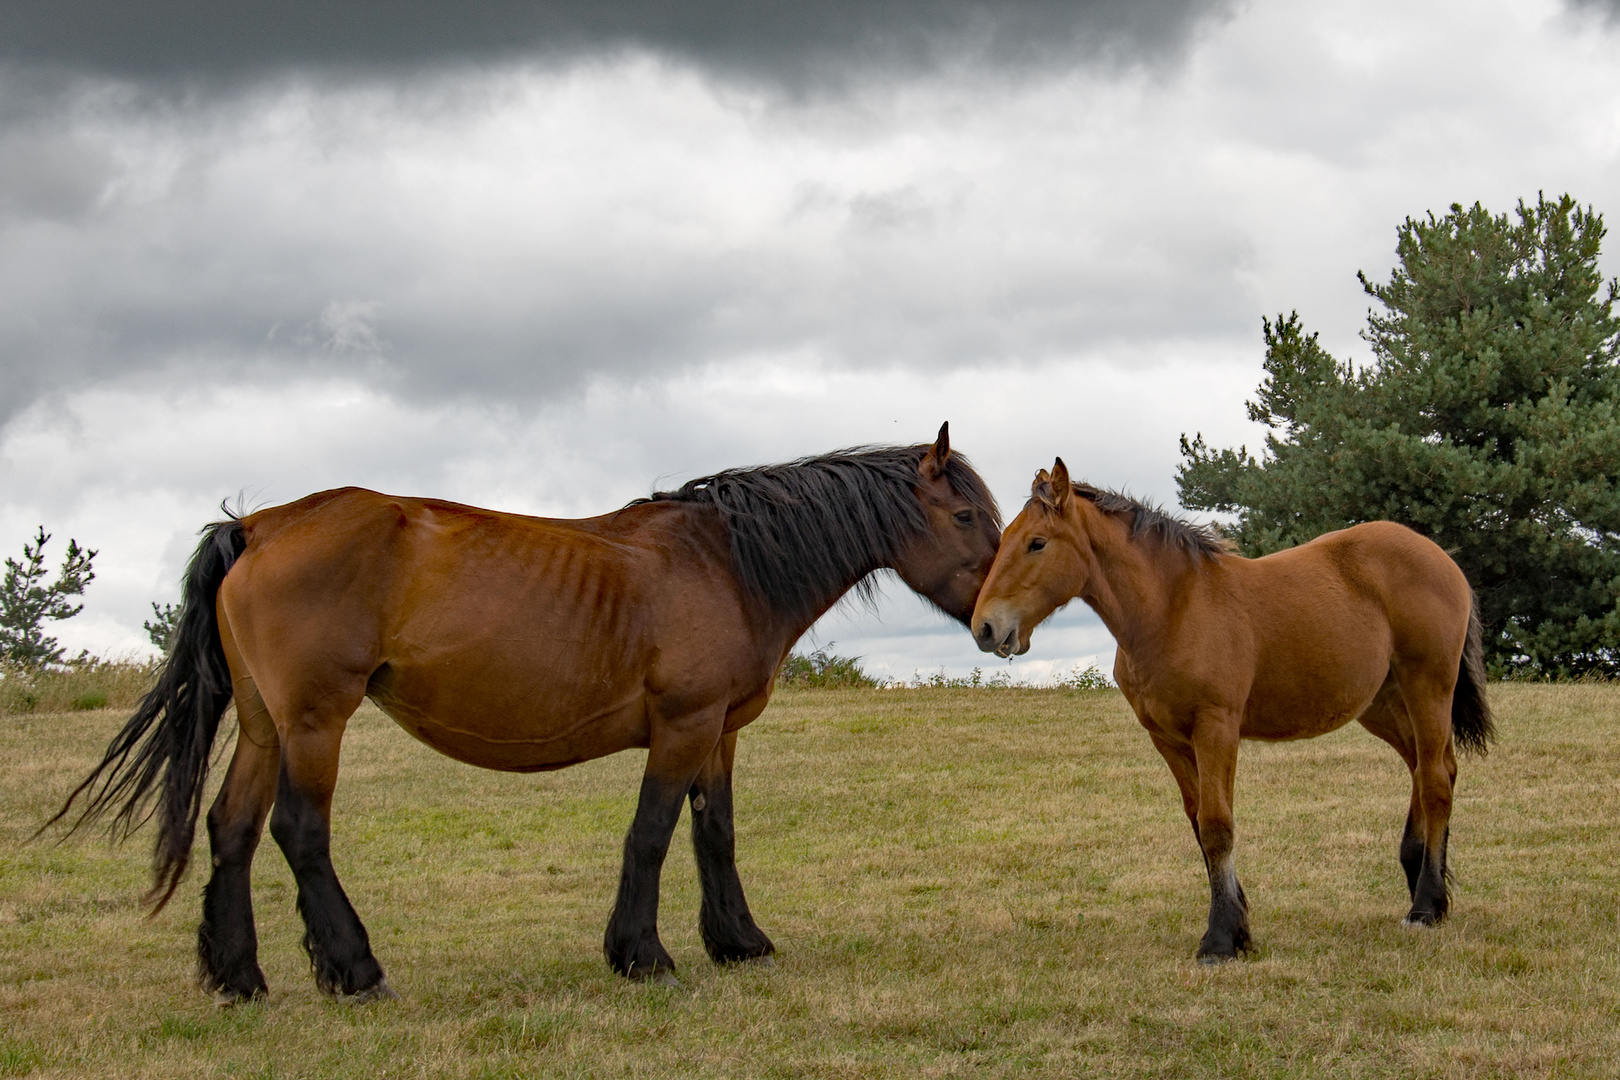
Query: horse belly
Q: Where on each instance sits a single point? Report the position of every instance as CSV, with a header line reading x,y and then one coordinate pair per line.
x,y
516,723
1307,700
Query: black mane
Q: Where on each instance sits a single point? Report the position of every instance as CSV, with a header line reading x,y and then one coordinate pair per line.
x,y
1195,540
805,532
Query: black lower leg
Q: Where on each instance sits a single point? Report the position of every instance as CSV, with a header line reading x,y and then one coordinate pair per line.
x,y
728,928
631,943
339,949
1431,897
227,943
1411,855
1228,931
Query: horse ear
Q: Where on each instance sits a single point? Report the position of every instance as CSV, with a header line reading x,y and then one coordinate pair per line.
x,y
1062,487
1041,488
932,465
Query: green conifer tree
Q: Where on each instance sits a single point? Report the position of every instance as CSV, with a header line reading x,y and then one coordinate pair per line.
x,y
27,600
1487,420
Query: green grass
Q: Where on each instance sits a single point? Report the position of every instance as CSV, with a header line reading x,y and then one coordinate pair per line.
x,y
959,883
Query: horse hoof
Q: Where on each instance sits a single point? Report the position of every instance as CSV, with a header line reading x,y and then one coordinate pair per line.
x,y
1418,922
766,961
1215,959
379,992
229,999
663,977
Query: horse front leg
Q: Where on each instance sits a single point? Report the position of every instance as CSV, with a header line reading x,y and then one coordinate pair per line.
x,y
1185,769
728,928
1215,749
677,754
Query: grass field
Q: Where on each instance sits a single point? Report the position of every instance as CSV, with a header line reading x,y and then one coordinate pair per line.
x,y
959,883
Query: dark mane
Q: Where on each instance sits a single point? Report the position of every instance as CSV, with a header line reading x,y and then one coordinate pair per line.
x,y
805,532
1195,540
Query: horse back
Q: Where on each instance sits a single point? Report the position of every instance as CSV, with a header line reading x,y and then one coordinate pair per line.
x,y
1328,622
503,640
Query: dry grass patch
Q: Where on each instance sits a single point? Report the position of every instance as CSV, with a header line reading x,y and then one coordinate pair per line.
x,y
77,686
960,883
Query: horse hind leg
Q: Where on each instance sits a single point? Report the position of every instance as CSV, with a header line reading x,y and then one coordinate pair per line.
x,y
1431,892
338,946
1434,774
1412,846
727,926
227,942
1387,718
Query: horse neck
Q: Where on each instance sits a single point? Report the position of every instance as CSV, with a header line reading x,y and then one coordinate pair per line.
x,y
1129,582
793,627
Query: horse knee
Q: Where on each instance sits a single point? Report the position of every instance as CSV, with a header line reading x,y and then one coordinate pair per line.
x,y
300,833
1215,837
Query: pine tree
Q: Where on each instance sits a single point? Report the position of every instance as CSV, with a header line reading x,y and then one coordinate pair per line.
x,y
27,600
1487,420
163,625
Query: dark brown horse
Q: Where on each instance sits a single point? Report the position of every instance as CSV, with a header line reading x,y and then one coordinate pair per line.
x,y
1373,623
514,643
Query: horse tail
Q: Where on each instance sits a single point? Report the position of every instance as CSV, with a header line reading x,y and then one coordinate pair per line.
x,y
1471,722
162,754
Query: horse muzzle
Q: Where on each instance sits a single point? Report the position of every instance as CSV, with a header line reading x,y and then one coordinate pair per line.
x,y
994,636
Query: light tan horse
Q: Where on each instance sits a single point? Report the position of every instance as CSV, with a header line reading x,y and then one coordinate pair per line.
x,y
514,643
1373,623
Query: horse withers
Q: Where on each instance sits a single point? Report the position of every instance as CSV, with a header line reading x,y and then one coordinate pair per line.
x,y
1373,623
514,643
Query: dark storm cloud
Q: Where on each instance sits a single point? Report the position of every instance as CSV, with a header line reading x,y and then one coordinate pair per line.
x,y
134,235
192,283
793,43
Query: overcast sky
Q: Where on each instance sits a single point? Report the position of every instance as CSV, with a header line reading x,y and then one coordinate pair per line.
x,y
548,258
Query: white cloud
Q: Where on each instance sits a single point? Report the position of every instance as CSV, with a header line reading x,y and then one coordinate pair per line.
x,y
135,468
552,289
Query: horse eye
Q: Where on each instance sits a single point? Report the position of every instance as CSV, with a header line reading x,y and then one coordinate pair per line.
x,y
1037,543
964,517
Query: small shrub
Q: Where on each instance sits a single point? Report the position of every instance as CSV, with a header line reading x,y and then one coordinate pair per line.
x,y
22,700
822,670
1092,678
1089,678
974,680
95,699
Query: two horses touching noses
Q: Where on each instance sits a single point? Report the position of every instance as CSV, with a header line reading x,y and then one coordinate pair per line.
x,y
527,644
1373,623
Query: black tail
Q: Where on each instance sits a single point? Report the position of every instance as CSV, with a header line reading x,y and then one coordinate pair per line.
x,y
162,754
1471,723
